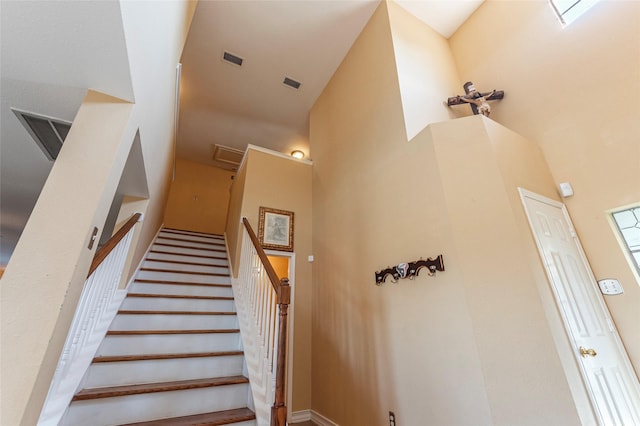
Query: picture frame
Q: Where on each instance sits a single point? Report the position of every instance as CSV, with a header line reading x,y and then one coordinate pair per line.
x,y
275,229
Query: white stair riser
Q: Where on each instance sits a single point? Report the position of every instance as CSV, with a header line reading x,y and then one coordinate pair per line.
x,y
177,276
102,374
190,290
134,408
164,344
177,267
182,258
177,304
187,250
173,322
158,405
192,236
206,245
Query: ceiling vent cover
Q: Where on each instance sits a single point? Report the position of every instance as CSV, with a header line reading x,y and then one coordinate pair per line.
x,y
229,156
48,132
291,83
232,59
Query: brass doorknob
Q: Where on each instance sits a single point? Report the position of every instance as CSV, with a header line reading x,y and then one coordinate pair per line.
x,y
587,352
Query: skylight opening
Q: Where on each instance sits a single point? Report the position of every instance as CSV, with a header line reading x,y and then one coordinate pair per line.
x,y
570,10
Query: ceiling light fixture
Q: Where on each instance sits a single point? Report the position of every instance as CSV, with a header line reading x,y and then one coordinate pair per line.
x,y
297,154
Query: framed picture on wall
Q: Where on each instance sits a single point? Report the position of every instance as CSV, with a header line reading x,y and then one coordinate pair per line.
x,y
275,229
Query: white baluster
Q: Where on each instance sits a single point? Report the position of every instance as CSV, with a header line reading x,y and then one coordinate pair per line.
x,y
256,302
87,329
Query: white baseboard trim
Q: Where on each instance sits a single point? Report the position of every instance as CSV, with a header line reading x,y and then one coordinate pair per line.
x,y
118,298
321,420
226,246
143,258
310,415
300,416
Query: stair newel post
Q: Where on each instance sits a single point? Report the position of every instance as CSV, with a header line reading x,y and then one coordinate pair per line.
x,y
279,409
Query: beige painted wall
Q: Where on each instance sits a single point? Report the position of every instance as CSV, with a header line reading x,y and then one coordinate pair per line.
x,y
199,198
39,293
422,57
374,350
283,183
161,28
481,165
34,329
471,345
280,265
574,92
233,234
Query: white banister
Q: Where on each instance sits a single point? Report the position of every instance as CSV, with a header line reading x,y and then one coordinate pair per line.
x,y
98,305
257,306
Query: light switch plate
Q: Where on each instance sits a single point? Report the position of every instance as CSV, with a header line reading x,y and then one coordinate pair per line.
x,y
610,286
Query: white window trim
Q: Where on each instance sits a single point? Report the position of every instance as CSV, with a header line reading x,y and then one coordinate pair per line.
x,y
635,268
576,9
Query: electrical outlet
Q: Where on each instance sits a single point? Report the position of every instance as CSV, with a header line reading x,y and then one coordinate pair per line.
x,y
392,418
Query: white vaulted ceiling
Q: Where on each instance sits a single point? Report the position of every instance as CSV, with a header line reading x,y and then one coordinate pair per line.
x,y
53,51
305,40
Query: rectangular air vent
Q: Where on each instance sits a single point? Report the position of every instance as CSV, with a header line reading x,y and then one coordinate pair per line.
x,y
232,59
291,83
48,132
227,155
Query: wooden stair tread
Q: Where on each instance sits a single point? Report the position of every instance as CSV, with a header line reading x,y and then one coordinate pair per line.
x,y
141,332
192,241
189,247
178,296
113,391
208,250
195,233
180,262
188,254
121,358
217,418
173,271
138,280
138,312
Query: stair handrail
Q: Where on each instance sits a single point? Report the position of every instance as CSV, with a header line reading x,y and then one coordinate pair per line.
x,y
283,291
98,303
103,252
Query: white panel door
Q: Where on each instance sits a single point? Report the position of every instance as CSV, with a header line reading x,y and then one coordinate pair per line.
x,y
611,382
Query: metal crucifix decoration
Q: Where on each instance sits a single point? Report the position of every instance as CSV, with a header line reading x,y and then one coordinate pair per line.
x,y
477,100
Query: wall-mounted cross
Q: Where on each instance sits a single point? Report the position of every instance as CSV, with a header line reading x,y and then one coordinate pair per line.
x,y
477,100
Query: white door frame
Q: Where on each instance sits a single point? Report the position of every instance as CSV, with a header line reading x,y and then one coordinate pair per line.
x,y
627,367
290,325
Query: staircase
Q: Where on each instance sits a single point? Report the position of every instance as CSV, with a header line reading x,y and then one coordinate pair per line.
x,y
172,355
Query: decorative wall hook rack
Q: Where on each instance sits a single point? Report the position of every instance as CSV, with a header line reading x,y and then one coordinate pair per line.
x,y
410,270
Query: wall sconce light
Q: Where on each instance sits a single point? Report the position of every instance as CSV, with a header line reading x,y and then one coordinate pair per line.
x,y
297,154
